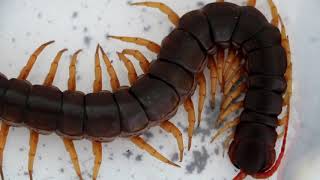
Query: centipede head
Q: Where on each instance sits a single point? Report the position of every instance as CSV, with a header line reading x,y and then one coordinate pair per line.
x,y
251,156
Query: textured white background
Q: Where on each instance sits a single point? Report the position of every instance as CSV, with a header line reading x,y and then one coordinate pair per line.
x,y
76,24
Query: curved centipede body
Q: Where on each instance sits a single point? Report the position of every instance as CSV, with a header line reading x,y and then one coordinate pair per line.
x,y
243,51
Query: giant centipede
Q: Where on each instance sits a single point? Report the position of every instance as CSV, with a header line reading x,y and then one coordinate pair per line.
x,y
244,52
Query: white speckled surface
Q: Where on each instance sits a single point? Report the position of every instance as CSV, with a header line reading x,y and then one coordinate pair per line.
x,y
75,24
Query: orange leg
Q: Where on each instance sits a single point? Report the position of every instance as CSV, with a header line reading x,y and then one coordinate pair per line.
x,y
219,63
230,58
173,17
152,46
171,128
26,69
3,139
144,63
188,106
53,69
97,151
69,145
153,152
214,78
132,74
97,87
232,108
33,143
233,95
233,80
251,3
114,81
227,126
274,13
72,72
202,94
234,66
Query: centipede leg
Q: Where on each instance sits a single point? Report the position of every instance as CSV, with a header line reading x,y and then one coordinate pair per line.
x,y
97,86
143,61
53,68
171,128
274,13
132,74
227,126
97,151
214,78
233,80
3,140
153,152
251,3
69,145
27,68
34,139
234,67
114,81
202,94
73,155
219,63
173,17
188,106
152,46
232,108
288,76
230,58
72,86
233,95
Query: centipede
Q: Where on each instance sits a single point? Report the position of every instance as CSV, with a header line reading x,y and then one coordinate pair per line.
x,y
247,55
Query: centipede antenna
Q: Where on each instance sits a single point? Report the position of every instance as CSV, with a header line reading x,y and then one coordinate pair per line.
x,y
3,139
143,61
152,46
188,106
68,143
227,126
72,71
34,139
97,151
132,74
27,68
97,86
202,94
53,68
232,108
251,3
173,17
274,13
213,78
219,63
153,152
114,81
171,128
233,95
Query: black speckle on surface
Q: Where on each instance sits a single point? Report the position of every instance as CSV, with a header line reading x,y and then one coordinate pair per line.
x,y
61,170
148,134
199,162
216,151
139,157
87,40
146,28
200,4
128,154
85,29
75,14
175,157
161,147
39,15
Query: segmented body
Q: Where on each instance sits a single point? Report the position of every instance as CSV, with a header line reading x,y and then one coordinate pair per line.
x,y
155,96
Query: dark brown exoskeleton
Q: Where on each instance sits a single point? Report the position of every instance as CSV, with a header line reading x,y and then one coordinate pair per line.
x,y
258,64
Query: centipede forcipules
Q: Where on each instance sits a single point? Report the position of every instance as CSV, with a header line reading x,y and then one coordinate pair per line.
x,y
153,77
